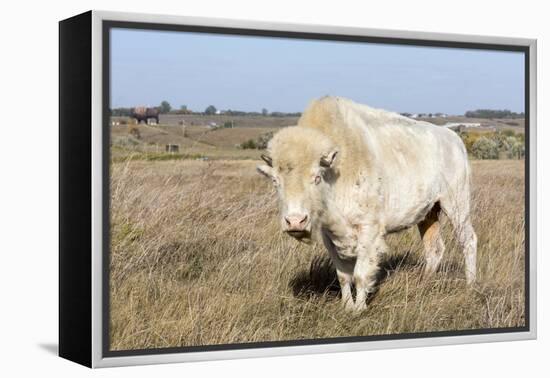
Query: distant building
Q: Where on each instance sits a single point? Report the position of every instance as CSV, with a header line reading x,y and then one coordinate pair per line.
x,y
426,115
461,126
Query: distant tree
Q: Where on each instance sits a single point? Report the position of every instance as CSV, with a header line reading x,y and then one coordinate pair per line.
x,y
121,112
211,109
133,130
183,107
264,112
468,138
485,148
165,107
491,113
263,140
508,133
248,145
283,114
499,138
517,150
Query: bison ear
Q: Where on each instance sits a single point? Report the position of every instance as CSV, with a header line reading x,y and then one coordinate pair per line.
x,y
327,160
265,170
267,160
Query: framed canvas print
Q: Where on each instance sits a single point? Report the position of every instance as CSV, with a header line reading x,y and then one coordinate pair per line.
x,y
234,189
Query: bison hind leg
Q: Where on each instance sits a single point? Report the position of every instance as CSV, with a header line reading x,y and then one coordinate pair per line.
x,y
430,232
458,212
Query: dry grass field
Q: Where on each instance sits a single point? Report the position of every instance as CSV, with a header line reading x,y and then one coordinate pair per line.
x,y
239,121
197,142
197,258
515,124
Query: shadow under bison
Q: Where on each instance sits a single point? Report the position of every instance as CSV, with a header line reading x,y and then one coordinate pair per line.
x,y
321,279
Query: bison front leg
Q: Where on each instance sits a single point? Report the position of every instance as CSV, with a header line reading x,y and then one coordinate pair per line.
x,y
344,271
366,269
345,280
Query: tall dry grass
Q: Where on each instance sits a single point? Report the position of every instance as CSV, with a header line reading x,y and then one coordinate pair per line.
x,y
197,258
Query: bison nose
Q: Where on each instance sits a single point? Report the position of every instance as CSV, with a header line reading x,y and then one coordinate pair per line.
x,y
296,222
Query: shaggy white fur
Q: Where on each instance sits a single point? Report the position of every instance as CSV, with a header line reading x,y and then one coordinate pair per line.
x,y
353,174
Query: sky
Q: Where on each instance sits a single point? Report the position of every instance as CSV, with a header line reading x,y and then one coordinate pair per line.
x,y
280,74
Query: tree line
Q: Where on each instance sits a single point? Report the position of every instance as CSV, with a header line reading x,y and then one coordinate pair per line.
x,y
166,108
492,113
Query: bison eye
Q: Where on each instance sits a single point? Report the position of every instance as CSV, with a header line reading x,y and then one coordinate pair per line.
x,y
317,179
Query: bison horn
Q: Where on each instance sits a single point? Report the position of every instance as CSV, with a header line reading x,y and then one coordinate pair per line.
x,y
327,160
267,160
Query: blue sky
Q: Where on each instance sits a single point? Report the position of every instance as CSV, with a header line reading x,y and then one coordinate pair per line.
x,y
251,73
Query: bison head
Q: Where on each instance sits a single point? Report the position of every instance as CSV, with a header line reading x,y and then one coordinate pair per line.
x,y
301,163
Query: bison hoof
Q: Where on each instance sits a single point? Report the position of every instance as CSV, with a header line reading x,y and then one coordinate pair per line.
x,y
349,306
355,308
360,307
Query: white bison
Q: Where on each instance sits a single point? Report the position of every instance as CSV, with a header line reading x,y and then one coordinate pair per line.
x,y
353,174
